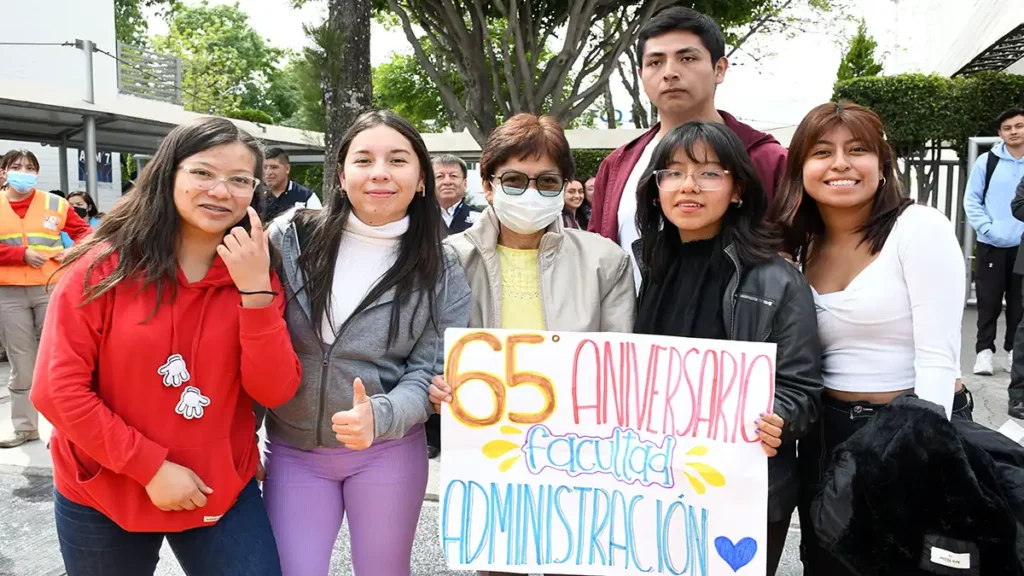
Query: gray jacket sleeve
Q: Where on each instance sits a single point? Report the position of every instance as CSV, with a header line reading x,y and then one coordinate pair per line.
x,y
618,306
408,404
1017,204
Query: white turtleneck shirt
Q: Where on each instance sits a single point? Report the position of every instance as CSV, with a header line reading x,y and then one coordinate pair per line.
x,y
365,255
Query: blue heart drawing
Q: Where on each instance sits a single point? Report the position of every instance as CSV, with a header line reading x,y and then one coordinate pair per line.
x,y
736,555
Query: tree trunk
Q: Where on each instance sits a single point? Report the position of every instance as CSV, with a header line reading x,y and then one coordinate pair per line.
x,y
609,106
345,76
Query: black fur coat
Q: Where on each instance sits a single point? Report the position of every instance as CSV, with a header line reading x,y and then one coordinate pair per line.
x,y
913,493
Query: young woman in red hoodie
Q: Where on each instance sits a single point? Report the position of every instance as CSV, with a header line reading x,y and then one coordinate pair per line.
x,y
166,326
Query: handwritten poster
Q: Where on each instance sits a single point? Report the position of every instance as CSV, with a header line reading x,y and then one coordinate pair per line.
x,y
594,454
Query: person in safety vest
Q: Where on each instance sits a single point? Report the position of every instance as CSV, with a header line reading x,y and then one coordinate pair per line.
x,y
31,221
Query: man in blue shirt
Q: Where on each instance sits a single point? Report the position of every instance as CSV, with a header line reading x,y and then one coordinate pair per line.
x,y
990,189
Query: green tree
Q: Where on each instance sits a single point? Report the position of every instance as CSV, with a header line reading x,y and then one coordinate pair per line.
x,y
129,21
340,58
547,56
401,85
859,61
227,65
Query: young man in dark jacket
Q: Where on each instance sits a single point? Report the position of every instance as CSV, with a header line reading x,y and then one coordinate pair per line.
x,y
682,62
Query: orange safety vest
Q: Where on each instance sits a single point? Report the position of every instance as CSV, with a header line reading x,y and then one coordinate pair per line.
x,y
39,230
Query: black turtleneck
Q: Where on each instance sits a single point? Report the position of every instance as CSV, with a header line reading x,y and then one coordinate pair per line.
x,y
687,301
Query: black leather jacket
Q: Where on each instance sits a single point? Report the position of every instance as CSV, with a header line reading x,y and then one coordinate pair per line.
x,y
772,302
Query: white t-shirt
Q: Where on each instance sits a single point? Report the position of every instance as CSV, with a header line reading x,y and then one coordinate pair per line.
x,y
627,207
365,255
897,325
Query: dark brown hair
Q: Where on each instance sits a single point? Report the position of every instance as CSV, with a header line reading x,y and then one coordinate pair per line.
x,y
19,154
527,136
798,213
420,261
143,228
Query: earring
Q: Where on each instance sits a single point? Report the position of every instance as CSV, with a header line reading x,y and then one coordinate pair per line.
x,y
882,183
739,203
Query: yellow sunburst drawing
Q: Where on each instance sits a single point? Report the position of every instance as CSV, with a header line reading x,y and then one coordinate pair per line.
x,y
497,448
710,475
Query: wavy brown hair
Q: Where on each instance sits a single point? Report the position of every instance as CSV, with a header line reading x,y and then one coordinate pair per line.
x,y
798,213
144,228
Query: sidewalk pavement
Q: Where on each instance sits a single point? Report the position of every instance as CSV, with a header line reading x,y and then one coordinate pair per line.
x,y
28,544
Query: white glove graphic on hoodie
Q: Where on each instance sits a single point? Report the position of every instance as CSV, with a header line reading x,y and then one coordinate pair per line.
x,y
192,402
174,371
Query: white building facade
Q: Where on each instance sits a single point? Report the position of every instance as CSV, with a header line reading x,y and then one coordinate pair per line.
x,y
62,69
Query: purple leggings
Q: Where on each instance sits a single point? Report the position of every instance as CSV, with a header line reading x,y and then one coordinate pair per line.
x,y
380,489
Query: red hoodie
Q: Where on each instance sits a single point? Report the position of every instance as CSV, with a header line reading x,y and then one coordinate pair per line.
x,y
119,400
768,156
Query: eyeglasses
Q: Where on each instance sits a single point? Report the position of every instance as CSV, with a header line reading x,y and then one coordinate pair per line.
x,y
515,183
237,185
707,179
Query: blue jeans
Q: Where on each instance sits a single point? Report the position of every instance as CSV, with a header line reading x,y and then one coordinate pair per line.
x,y
241,543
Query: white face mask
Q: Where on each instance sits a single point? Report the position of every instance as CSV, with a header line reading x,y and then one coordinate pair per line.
x,y
527,213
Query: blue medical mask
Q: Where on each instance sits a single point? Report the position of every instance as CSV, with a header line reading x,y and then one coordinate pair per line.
x,y
22,181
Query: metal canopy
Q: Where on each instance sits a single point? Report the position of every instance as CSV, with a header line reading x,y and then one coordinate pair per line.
x,y
123,124
1004,53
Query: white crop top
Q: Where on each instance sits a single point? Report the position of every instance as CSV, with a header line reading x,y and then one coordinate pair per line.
x,y
897,325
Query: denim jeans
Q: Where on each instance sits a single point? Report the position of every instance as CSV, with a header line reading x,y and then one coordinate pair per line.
x,y
241,543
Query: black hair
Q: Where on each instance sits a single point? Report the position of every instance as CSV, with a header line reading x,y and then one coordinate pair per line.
x,y
1011,113
420,261
681,18
58,193
143,228
276,154
93,210
743,224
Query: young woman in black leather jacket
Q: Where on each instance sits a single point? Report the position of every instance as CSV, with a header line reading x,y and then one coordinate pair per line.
x,y
711,270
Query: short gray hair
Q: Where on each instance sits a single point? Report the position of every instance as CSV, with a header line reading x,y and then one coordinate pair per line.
x,y
445,159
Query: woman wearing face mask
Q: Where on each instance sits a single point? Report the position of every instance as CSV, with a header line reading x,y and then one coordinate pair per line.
x,y
85,207
888,280
548,277
710,270
371,291
31,222
165,328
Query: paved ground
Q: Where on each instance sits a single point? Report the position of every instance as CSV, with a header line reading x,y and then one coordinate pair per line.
x,y
28,543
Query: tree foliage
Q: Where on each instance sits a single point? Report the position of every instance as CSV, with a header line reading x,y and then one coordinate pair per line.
x,y
859,60
547,56
130,24
919,108
226,64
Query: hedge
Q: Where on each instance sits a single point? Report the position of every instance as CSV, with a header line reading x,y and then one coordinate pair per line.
x,y
918,108
587,161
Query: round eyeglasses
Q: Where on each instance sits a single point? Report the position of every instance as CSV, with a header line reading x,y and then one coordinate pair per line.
x,y
516,183
237,185
707,179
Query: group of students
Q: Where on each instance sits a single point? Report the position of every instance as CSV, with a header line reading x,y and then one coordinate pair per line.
x,y
183,309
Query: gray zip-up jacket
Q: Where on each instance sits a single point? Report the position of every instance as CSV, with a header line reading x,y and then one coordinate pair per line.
x,y
396,377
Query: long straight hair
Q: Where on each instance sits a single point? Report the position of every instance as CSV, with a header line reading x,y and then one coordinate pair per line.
x,y
144,228
797,212
420,261
743,225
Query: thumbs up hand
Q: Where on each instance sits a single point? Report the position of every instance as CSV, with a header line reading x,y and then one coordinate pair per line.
x,y
354,428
